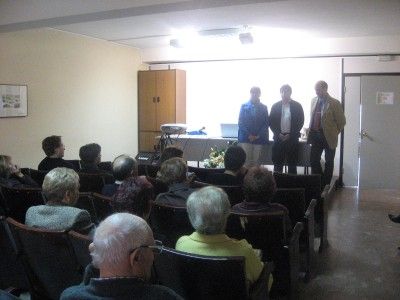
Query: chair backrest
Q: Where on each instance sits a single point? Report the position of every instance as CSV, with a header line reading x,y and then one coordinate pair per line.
x,y
234,192
202,173
294,201
11,271
80,243
16,201
38,175
158,186
75,162
311,185
102,206
265,231
201,277
91,182
170,223
198,184
105,166
85,201
50,257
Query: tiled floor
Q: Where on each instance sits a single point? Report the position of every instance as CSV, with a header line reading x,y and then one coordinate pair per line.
x,y
363,261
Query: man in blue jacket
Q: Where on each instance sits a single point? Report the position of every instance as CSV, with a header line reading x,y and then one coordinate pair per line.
x,y
253,127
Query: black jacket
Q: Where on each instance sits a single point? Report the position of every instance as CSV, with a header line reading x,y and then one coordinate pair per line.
x,y
296,116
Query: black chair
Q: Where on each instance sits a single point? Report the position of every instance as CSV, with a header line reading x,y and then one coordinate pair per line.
x,y
102,206
11,271
169,223
202,277
48,259
16,201
75,162
312,186
85,201
202,173
158,186
294,201
91,182
80,243
198,184
37,175
105,166
234,192
267,231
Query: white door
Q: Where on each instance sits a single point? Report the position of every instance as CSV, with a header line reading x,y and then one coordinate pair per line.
x,y
380,132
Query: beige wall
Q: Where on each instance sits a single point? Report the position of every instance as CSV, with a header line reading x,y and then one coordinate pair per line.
x,y
81,88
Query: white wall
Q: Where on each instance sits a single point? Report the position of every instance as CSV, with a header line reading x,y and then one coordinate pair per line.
x,y
215,90
81,88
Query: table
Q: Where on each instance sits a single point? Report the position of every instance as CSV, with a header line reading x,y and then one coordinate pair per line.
x,y
198,148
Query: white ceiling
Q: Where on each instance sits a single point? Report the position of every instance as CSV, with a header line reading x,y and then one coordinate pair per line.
x,y
151,23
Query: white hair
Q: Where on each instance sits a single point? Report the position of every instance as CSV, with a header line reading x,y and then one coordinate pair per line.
x,y
116,236
208,210
58,182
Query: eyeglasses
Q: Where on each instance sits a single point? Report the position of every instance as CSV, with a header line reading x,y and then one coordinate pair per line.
x,y
157,248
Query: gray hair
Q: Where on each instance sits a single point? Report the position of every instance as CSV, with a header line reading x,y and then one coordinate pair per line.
x,y
116,236
208,210
173,170
58,182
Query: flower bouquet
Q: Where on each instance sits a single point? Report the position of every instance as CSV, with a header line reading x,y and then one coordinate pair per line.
x,y
216,159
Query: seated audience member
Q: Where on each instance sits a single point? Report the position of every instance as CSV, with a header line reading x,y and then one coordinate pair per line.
x,y
61,191
395,219
123,250
208,210
90,156
234,160
170,152
123,167
11,175
134,195
259,188
173,172
54,149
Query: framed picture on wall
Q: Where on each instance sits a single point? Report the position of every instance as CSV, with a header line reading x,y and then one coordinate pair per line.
x,y
13,100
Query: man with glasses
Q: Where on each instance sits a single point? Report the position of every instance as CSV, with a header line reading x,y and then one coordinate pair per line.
x,y
123,250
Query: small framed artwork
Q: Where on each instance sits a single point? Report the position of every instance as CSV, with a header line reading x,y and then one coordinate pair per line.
x,y
13,100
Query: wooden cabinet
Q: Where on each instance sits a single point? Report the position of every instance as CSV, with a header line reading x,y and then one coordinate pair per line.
x,y
162,99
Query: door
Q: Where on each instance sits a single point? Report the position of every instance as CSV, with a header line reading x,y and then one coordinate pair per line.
x,y
166,86
380,134
147,101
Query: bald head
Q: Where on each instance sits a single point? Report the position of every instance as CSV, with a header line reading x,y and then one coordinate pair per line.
x,y
321,89
113,241
124,166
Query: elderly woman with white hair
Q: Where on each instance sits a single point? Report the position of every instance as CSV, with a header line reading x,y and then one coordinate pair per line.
x,y
61,191
208,210
123,250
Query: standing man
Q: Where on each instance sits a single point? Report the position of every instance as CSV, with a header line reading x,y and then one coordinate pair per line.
x,y
326,122
253,127
286,120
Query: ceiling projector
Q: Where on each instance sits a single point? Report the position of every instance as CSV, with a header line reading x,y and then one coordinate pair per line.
x,y
173,128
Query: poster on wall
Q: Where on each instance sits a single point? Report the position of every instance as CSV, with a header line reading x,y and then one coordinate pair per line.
x,y
13,100
384,98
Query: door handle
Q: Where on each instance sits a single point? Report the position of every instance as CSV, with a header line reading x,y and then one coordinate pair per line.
x,y
158,99
154,99
364,134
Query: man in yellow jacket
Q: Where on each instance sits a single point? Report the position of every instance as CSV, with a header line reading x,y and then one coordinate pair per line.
x,y
326,122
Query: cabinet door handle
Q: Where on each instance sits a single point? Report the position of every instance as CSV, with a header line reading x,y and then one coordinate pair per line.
x,y
158,99
154,99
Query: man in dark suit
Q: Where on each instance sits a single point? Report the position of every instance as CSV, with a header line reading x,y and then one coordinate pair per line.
x,y
286,120
54,149
61,190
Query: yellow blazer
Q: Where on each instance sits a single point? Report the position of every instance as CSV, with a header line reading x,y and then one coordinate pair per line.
x,y
332,119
